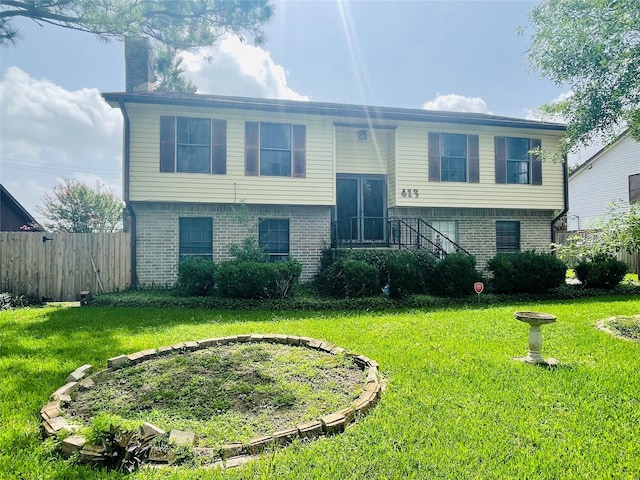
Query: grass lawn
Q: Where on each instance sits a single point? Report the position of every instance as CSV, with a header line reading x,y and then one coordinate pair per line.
x,y
456,404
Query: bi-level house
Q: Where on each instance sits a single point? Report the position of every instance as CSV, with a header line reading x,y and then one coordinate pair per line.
x,y
204,171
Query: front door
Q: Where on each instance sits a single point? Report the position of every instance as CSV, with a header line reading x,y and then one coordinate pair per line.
x,y
361,209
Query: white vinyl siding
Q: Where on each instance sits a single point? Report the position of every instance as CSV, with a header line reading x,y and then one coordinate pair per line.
x,y
603,180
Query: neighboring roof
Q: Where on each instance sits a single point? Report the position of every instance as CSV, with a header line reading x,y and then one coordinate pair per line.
x,y
599,153
365,112
5,196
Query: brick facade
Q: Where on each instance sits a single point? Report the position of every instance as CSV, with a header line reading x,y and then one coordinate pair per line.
x,y
309,231
477,227
157,234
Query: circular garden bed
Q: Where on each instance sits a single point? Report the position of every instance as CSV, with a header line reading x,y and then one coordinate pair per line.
x,y
214,401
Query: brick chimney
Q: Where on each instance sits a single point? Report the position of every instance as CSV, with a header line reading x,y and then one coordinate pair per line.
x,y
138,60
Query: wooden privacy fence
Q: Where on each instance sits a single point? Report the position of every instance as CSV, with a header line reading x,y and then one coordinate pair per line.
x,y
631,259
58,266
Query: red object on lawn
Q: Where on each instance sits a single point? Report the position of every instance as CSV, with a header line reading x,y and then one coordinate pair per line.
x,y
478,287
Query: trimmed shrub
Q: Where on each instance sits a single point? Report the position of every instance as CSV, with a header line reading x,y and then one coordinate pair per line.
x,y
350,279
196,276
410,272
601,272
251,280
406,271
455,275
526,272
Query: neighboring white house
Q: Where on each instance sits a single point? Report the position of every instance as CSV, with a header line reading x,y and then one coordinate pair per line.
x,y
612,174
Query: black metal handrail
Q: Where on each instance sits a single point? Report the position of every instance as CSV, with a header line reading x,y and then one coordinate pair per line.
x,y
412,232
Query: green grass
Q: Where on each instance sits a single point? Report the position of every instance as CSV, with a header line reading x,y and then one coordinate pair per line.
x,y
456,405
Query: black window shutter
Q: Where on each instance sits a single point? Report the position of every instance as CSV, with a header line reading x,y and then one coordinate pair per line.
x,y
219,150
434,157
473,157
299,151
501,159
252,148
536,162
167,144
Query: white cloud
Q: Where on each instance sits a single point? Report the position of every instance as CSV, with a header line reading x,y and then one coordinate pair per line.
x,y
457,103
49,133
535,113
240,69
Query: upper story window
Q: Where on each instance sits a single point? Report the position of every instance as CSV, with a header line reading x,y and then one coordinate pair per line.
x,y
454,157
515,162
273,237
275,149
193,145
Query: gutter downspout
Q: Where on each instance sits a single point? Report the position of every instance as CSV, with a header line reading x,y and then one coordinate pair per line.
x,y
125,192
565,175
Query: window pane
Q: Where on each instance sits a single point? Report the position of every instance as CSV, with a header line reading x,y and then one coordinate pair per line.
x,y
273,237
193,159
195,237
518,149
449,233
453,166
507,237
275,163
275,149
194,145
517,172
275,136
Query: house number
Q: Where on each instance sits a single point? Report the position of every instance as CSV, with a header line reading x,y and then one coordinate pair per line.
x,y
408,192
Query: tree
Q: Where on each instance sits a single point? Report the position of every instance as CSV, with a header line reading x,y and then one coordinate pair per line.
x,y
168,72
78,208
618,231
178,24
593,46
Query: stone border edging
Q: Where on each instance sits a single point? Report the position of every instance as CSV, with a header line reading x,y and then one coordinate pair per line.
x,y
603,325
232,453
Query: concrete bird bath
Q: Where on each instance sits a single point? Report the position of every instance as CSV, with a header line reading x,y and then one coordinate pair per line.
x,y
535,321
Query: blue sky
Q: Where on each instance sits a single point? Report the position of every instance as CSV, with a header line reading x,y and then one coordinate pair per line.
x,y
453,55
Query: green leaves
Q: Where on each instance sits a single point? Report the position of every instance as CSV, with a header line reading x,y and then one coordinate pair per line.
x,y
76,207
592,47
183,24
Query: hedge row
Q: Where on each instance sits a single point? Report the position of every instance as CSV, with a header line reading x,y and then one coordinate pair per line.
x,y
240,279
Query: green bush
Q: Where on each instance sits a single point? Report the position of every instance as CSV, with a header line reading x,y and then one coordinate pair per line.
x,y
526,272
15,300
601,272
196,276
410,272
406,271
350,279
455,275
251,280
248,251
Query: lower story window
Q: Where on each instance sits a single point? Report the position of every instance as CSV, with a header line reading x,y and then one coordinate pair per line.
x,y
507,236
196,237
273,237
446,233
